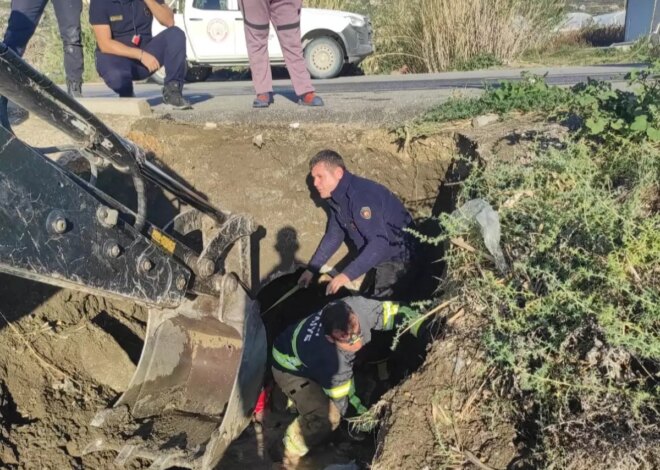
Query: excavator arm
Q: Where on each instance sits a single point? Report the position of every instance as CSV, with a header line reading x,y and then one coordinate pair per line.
x,y
205,350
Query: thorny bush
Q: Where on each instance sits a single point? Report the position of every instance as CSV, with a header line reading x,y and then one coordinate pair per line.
x,y
574,327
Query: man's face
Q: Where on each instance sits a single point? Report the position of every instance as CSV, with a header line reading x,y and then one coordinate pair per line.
x,y
352,340
326,178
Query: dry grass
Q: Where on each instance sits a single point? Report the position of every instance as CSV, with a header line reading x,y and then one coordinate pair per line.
x,y
436,35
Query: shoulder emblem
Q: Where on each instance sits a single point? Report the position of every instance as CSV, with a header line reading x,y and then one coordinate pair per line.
x,y
365,212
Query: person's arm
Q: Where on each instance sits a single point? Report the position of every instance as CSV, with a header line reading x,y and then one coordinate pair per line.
x,y
379,315
330,243
163,14
370,220
340,388
107,45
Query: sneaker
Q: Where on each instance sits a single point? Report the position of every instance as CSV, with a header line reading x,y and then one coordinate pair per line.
x,y
172,96
263,100
311,99
74,89
4,113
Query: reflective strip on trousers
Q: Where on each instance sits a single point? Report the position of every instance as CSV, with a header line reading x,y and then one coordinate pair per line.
x,y
294,443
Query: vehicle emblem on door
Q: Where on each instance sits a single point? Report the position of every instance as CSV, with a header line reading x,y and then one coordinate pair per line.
x,y
218,30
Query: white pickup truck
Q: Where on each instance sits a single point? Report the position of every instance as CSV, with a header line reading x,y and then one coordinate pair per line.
x,y
215,38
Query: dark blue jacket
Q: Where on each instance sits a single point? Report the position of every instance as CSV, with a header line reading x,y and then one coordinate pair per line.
x,y
303,350
126,18
372,218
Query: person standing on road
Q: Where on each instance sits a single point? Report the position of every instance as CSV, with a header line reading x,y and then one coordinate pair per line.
x,y
127,51
373,220
285,16
23,20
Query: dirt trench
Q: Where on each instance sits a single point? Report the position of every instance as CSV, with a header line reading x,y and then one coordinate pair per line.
x,y
67,355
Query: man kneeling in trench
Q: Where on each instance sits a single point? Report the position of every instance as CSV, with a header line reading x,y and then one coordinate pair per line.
x,y
313,365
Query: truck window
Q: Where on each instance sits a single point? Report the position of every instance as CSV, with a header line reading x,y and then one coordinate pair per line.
x,y
211,4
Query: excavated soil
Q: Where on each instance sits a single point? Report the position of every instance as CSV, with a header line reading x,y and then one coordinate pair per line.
x,y
66,355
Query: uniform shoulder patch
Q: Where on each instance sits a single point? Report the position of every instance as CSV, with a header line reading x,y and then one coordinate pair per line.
x,y
365,212
117,18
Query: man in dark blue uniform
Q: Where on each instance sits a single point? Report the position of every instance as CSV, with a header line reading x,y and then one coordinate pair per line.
x,y
373,220
23,20
127,51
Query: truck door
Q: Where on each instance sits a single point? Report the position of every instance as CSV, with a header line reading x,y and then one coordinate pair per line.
x,y
274,49
212,29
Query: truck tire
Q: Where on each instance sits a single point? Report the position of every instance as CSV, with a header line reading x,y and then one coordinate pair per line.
x,y
324,57
193,74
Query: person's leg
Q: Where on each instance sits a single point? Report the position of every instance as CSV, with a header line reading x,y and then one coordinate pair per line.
x,y
256,23
116,72
68,20
23,20
286,19
392,280
169,48
317,415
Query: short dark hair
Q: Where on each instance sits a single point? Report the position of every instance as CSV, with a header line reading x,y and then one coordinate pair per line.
x,y
335,317
329,157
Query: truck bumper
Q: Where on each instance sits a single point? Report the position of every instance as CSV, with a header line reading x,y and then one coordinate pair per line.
x,y
358,42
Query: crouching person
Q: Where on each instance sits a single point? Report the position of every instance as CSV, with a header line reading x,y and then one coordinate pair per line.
x,y
313,365
126,50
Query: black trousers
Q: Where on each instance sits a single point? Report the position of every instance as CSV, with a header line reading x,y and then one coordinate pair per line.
x,y
391,280
24,18
168,47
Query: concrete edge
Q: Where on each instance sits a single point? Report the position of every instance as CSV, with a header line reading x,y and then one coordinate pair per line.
x,y
120,106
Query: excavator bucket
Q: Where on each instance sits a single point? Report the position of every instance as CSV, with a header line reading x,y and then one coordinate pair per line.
x,y
204,353
195,385
202,364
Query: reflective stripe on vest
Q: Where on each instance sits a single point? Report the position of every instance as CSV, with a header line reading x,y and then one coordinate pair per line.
x,y
390,309
340,391
292,363
347,389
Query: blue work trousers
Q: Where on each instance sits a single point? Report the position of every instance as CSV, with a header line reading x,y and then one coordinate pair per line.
x,y
24,18
168,47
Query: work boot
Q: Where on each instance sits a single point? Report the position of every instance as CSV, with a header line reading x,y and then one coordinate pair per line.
x,y
172,96
74,89
311,99
263,100
4,113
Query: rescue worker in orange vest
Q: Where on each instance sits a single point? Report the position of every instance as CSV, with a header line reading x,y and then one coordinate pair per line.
x,y
313,365
285,16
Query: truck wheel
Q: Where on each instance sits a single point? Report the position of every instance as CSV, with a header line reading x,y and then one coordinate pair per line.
x,y
324,57
197,73
193,74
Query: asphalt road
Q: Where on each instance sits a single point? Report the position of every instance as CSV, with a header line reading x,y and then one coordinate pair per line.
x,y
380,100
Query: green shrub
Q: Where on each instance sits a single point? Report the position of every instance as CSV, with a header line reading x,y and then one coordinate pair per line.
x,y
531,93
574,328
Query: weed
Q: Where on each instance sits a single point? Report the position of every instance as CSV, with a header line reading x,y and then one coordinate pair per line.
x,y
437,35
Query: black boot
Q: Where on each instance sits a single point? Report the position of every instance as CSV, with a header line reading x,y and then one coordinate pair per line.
x,y
74,89
172,96
4,113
